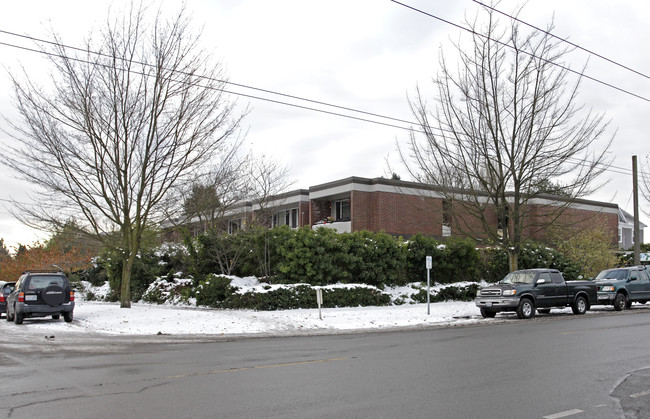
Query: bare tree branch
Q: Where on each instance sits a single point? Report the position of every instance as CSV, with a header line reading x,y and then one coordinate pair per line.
x,y
120,125
505,124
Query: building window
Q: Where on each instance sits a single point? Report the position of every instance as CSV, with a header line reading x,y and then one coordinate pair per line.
x,y
620,235
446,218
342,210
286,218
234,225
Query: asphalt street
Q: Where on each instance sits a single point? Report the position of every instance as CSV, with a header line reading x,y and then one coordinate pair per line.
x,y
548,367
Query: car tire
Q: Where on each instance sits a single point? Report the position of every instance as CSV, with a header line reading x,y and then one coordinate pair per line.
x,y
67,316
543,310
9,318
53,295
488,314
18,317
620,301
579,306
526,309
56,316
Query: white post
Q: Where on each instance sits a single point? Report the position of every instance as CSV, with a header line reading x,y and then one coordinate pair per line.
x,y
429,265
319,300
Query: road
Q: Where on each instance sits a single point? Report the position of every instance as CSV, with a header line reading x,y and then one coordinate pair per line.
x,y
593,366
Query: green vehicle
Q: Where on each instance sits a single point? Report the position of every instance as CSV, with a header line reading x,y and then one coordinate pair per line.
x,y
535,289
621,287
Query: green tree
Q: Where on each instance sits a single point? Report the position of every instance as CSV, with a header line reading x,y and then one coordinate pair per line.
x,y
591,250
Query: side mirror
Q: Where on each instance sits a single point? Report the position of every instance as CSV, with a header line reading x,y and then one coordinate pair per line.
x,y
540,281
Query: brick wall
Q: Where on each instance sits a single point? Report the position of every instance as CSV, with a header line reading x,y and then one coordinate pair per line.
x,y
396,213
319,210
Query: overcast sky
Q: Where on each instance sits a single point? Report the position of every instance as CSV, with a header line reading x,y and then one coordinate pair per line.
x,y
361,54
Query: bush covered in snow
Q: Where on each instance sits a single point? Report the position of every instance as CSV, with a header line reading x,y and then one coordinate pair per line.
x,y
319,257
166,290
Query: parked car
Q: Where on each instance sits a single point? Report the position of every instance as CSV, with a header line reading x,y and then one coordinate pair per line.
x,y
621,287
542,289
40,294
5,290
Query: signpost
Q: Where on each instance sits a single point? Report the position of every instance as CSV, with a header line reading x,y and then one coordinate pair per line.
x,y
429,265
319,300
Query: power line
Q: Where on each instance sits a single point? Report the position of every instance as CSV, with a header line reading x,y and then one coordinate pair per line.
x,y
565,68
410,128
200,76
563,40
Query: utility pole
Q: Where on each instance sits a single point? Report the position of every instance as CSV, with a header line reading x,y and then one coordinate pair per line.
x,y
635,193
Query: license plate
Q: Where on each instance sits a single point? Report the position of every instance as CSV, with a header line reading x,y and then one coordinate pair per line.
x,y
30,298
488,304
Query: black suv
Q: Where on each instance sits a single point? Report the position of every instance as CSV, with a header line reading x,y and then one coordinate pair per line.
x,y
40,294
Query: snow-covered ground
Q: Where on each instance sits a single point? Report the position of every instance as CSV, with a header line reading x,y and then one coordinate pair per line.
x,y
144,319
147,319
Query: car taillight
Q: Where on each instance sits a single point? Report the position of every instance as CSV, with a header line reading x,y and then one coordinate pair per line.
x,y
21,297
2,298
71,295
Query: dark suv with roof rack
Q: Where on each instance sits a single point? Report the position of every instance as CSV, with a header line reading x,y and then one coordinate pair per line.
x,y
41,294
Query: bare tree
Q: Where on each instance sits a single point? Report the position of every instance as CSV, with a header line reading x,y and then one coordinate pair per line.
x,y
265,179
505,126
210,195
125,119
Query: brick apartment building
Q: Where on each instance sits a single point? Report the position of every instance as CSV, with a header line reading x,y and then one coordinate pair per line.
x,y
400,208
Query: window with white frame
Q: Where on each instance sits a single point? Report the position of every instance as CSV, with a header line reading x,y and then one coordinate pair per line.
x,y
342,210
286,218
234,225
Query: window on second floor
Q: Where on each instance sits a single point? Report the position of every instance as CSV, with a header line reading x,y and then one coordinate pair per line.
x,y
287,217
234,225
342,210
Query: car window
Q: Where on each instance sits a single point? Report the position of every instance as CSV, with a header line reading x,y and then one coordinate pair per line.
x,y
546,276
42,281
644,275
557,278
518,277
634,275
613,274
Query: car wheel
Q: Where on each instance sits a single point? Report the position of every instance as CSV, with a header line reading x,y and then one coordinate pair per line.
x,y
67,316
56,316
18,317
543,310
620,302
488,313
526,308
579,306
